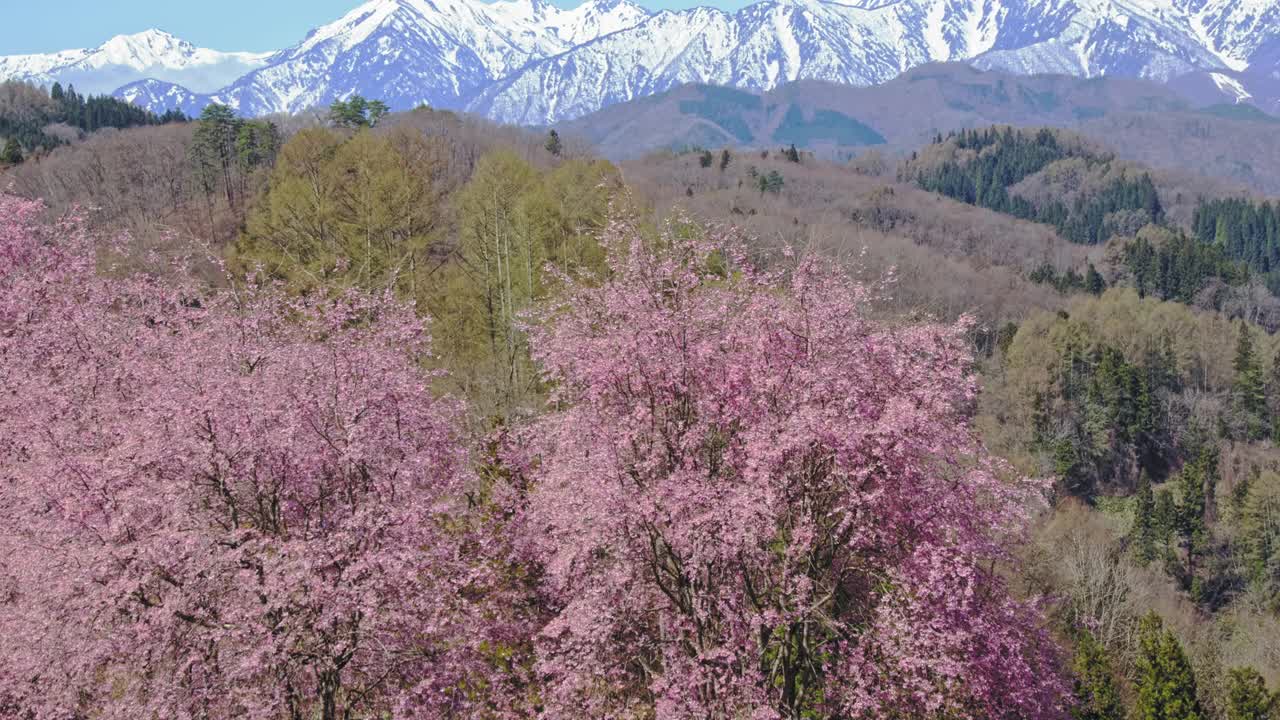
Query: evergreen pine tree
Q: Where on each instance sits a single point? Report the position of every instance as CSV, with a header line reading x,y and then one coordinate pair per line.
x,y
772,182
350,113
706,159
1096,693
1066,465
12,153
1093,281
1247,697
725,159
224,148
1194,482
1273,398
375,110
1144,521
1166,521
792,154
1249,388
1039,420
1165,681
554,146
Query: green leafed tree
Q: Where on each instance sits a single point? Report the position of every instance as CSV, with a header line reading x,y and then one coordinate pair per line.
x,y
341,212
513,223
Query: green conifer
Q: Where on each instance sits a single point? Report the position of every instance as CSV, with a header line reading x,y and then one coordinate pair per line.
x,y
12,153
1096,693
1165,681
1093,281
1144,521
1247,697
1249,389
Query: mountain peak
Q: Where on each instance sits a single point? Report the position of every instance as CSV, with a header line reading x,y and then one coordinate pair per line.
x,y
123,59
531,61
143,49
148,36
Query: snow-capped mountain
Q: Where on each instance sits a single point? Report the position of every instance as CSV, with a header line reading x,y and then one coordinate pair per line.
x,y
871,41
159,96
758,48
125,58
409,52
528,61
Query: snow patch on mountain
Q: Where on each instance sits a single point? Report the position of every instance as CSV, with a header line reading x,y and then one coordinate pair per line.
x,y
1230,86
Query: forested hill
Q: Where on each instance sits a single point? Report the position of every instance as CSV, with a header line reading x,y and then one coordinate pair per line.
x,y
1123,357
1139,121
34,119
1176,242
414,415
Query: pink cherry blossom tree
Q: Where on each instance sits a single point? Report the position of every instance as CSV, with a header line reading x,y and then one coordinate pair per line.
x,y
746,500
229,504
752,500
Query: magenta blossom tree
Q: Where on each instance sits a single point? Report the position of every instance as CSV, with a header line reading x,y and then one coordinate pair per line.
x,y
228,504
754,501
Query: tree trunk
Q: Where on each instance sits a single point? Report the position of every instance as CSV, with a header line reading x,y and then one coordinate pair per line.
x,y
329,695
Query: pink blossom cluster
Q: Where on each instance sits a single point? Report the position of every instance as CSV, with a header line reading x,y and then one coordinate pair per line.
x,y
746,499
225,504
753,501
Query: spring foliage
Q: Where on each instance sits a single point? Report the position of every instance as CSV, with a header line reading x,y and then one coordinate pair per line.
x,y
748,500
224,505
754,501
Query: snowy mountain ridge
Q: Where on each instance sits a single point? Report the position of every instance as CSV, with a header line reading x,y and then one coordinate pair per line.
x,y
126,58
531,62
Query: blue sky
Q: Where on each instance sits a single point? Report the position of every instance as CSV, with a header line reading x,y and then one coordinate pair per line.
x,y
32,26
